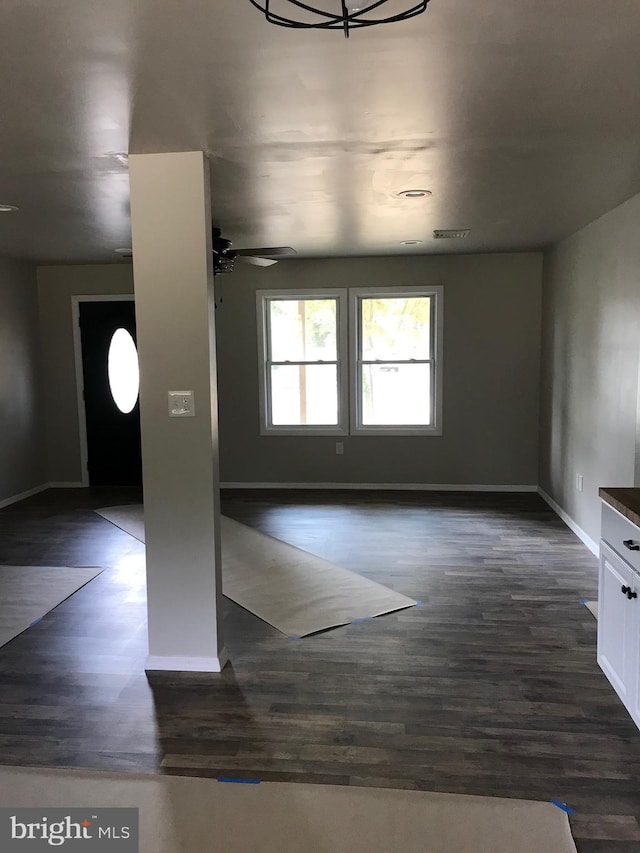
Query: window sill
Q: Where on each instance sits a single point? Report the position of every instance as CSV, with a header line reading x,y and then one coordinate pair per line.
x,y
303,431
361,431
406,431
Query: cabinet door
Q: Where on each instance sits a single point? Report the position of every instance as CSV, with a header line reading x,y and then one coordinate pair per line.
x,y
617,614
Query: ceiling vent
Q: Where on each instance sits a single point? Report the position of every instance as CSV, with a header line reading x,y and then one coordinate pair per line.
x,y
451,233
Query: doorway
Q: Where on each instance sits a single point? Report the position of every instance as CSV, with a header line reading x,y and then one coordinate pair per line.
x,y
107,376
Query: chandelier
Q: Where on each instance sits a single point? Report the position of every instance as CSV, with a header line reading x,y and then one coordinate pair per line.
x,y
352,14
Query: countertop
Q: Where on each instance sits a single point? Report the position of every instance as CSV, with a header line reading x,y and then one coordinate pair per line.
x,y
626,501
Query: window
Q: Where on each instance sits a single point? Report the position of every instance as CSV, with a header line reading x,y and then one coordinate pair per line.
x,y
122,371
395,343
379,350
303,345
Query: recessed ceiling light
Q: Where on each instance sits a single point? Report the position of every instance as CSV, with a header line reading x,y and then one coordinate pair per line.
x,y
8,208
413,193
410,242
124,251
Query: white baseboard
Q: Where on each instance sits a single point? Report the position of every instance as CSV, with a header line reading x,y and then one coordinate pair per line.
x,y
37,489
176,663
28,494
571,524
396,487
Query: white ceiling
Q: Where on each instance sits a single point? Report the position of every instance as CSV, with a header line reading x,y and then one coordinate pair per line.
x,y
522,117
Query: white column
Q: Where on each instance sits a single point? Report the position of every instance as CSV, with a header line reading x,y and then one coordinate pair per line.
x,y
173,275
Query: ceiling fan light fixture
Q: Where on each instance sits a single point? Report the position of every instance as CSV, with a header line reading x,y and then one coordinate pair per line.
x,y
224,256
348,15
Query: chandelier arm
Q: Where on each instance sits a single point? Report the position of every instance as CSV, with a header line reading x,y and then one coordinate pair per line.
x,y
275,18
279,20
335,24
411,13
337,18
344,21
308,8
370,7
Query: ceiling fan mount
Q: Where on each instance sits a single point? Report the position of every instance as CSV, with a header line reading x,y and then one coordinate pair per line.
x,y
224,256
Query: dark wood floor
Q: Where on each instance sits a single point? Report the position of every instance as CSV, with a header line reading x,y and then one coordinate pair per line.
x,y
491,687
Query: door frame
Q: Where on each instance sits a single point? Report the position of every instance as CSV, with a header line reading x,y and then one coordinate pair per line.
x,y
76,299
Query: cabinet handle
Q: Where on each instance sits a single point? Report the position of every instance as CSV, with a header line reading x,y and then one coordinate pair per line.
x,y
626,590
631,545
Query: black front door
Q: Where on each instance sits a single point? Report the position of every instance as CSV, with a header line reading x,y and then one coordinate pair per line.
x,y
113,436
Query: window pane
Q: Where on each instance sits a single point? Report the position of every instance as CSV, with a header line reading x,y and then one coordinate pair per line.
x,y
303,329
396,328
304,394
396,395
122,370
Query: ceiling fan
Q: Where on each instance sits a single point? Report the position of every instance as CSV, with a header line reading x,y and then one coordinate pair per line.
x,y
224,256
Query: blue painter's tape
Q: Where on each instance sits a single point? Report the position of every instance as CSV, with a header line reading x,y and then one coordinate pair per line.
x,y
238,781
294,638
419,604
362,619
563,806
585,601
35,621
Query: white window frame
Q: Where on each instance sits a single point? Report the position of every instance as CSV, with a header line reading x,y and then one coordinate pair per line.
x,y
348,360
263,297
435,292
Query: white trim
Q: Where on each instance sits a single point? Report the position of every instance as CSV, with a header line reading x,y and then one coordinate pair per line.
x,y
177,663
571,524
436,292
76,299
23,495
303,430
395,487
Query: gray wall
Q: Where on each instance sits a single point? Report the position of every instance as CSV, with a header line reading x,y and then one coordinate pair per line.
x,y
589,384
56,285
491,376
22,449
491,373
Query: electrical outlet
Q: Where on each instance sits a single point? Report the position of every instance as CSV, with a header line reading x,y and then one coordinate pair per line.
x,y
339,448
579,482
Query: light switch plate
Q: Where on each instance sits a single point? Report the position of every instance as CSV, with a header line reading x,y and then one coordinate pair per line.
x,y
181,404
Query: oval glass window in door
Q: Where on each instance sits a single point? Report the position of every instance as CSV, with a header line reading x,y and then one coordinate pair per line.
x,y
124,374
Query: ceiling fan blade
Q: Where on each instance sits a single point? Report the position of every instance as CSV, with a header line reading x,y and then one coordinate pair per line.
x,y
266,252
258,262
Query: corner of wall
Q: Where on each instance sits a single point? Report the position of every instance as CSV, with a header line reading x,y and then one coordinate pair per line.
x,y
23,462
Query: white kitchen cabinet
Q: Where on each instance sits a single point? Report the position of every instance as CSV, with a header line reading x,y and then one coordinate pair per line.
x,y
619,609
